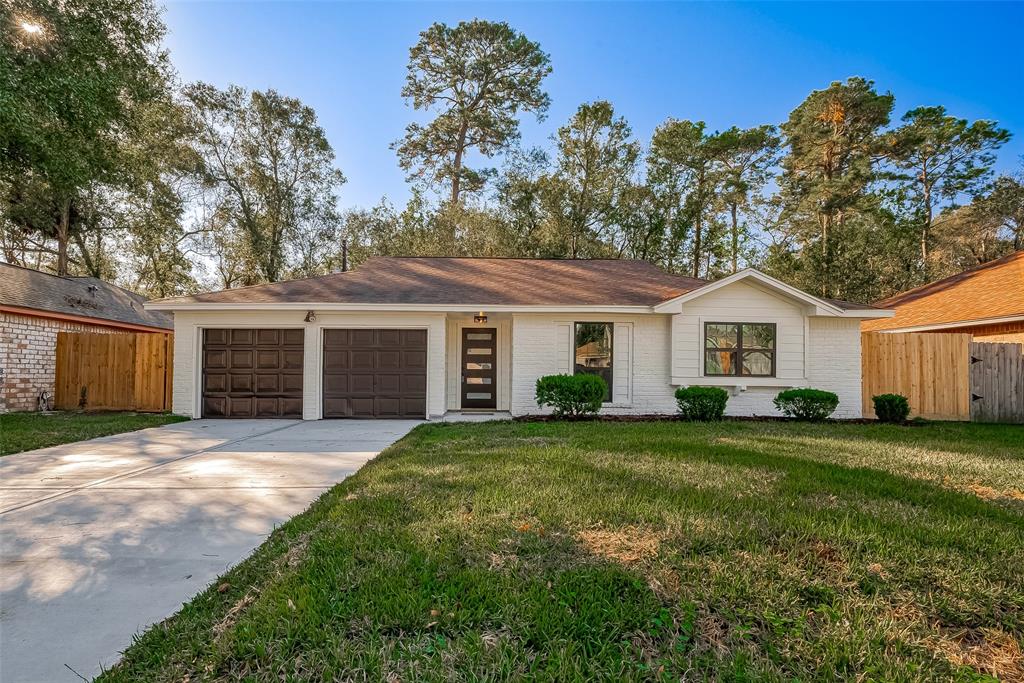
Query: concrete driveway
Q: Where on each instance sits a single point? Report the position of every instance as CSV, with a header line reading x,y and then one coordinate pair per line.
x,y
102,538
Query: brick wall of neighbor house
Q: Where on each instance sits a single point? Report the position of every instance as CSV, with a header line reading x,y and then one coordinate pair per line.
x,y
28,349
996,332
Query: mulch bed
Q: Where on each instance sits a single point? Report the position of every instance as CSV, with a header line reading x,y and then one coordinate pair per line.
x,y
676,418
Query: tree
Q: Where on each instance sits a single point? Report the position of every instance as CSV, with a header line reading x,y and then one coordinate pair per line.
x,y
73,76
641,223
832,139
965,237
937,159
480,75
747,157
269,170
1006,203
519,204
683,165
596,160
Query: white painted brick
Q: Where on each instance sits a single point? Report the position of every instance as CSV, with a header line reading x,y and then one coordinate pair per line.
x,y
534,354
829,360
187,362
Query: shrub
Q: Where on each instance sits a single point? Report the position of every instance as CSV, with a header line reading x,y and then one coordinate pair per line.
x,y
806,404
701,403
892,408
571,395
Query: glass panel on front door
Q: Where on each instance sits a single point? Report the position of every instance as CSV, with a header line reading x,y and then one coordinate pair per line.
x,y
479,348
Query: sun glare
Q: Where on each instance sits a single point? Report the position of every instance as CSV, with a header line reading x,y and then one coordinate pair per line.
x,y
31,28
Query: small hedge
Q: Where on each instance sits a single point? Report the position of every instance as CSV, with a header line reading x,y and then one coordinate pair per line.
x,y
701,403
571,395
806,404
892,408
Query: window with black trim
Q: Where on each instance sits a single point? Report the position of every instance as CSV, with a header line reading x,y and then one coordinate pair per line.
x,y
739,349
594,352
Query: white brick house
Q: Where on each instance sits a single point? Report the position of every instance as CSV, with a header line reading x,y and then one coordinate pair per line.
x,y
35,306
422,337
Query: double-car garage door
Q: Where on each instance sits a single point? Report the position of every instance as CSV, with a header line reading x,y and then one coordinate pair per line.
x,y
366,373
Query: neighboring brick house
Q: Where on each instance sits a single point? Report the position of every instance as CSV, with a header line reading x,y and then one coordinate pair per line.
x,y
35,306
986,301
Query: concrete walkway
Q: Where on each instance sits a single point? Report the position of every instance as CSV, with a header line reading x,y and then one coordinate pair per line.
x,y
100,539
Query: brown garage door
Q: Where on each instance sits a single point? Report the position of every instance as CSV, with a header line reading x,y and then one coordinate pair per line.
x,y
252,373
375,373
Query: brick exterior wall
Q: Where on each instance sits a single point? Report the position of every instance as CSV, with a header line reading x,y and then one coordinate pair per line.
x,y
28,351
996,332
829,360
641,377
188,358
833,362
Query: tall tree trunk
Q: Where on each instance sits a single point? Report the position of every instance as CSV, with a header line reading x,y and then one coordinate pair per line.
x,y
927,227
697,225
92,267
735,238
63,233
826,257
457,162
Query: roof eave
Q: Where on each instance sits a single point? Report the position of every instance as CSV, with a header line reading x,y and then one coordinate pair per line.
x,y
85,319
437,308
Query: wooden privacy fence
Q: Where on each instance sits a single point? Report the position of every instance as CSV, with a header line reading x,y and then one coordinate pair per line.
x,y
997,382
97,371
945,376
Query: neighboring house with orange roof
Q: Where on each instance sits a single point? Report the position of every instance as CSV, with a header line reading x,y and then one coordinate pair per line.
x,y
986,301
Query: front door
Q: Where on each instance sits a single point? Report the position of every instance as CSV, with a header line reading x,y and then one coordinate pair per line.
x,y
479,368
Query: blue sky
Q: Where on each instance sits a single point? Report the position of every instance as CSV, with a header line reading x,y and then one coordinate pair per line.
x,y
726,64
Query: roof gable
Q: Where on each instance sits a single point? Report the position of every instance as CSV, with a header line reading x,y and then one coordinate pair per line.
x,y
814,305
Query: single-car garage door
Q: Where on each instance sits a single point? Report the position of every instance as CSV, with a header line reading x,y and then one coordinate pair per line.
x,y
375,373
252,373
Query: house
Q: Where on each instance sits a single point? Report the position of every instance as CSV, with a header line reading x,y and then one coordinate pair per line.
x,y
422,337
986,301
35,306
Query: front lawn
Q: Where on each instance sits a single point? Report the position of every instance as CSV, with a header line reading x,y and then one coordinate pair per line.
x,y
736,551
28,431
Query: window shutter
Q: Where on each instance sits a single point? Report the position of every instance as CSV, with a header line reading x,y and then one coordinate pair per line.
x,y
622,363
563,346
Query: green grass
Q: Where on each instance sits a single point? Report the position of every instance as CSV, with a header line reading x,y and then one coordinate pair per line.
x,y
632,551
27,431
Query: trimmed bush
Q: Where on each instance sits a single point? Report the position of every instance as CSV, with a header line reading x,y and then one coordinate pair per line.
x,y
571,395
701,403
806,404
892,408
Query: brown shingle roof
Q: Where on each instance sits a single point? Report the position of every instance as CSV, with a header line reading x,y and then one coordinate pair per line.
x,y
476,282
991,290
79,296
472,281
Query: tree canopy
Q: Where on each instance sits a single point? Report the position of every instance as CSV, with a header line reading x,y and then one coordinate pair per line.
x,y
111,167
478,76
